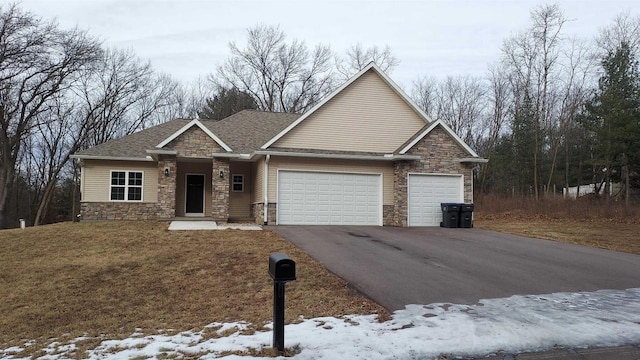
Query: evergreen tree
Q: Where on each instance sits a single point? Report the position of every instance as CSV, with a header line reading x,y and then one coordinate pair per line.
x,y
613,116
226,103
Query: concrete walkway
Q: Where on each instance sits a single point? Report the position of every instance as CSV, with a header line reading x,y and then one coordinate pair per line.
x,y
210,225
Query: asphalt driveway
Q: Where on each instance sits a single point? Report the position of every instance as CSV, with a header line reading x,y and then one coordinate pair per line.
x,y
400,266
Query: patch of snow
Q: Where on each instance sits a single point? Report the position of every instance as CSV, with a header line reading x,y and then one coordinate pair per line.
x,y
515,324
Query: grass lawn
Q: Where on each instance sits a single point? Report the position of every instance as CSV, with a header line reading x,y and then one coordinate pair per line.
x,y
601,233
73,279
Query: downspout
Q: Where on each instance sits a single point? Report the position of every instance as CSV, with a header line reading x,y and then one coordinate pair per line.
x,y
266,190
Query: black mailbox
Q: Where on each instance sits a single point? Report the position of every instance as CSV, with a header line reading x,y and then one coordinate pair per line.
x,y
281,267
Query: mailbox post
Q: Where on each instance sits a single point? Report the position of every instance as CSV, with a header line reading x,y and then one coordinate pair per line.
x,y
281,269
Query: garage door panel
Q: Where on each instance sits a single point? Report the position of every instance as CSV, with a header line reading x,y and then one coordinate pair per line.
x,y
329,198
426,192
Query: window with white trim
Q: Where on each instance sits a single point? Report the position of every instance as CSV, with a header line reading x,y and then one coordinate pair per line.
x,y
126,185
237,183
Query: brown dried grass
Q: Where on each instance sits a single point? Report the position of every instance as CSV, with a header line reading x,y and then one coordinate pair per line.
x,y
588,222
90,279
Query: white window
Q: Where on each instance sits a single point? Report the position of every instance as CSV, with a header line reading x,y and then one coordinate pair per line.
x,y
237,183
126,186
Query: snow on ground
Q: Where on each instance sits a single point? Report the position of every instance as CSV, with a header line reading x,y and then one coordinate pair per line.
x,y
515,324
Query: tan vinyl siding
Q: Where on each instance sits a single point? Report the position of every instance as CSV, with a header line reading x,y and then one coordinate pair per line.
x,y
240,202
258,183
332,165
368,116
185,168
97,179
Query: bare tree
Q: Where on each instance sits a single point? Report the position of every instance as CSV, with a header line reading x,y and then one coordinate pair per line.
x,y
498,109
357,58
532,57
122,95
424,92
38,62
458,101
188,99
572,88
624,29
279,75
53,142
461,104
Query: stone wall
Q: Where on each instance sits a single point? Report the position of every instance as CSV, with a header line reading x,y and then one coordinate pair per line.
x,y
220,190
388,212
119,211
257,213
440,155
167,188
271,213
194,143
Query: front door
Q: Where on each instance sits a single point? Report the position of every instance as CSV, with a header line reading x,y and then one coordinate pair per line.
x,y
194,195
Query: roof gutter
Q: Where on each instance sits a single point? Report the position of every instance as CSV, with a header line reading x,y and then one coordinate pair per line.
x,y
474,160
100,157
385,157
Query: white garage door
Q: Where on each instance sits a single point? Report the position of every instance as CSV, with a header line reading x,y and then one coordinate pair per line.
x,y
426,192
320,198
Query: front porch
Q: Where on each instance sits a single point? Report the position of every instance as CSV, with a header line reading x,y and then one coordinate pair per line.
x,y
207,189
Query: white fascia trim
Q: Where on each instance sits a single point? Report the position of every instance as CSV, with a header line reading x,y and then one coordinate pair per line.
x,y
187,127
98,157
162,152
385,157
448,130
231,156
473,160
384,77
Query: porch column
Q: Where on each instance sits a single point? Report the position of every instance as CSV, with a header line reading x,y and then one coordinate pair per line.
x,y
167,169
220,180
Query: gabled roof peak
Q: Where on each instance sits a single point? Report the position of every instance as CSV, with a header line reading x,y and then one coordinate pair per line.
x,y
429,128
370,67
192,123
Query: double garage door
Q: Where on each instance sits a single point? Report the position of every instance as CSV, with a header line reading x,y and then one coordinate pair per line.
x,y
325,198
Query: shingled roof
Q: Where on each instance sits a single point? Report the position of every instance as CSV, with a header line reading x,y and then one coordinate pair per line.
x,y
135,145
247,130
244,132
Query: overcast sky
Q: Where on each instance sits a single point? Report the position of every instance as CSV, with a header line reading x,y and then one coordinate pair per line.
x,y
188,38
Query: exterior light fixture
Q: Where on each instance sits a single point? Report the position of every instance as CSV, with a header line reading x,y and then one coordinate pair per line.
x,y
166,172
221,174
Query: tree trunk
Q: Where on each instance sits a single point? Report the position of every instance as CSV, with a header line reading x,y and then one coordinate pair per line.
x,y
44,202
607,184
566,165
6,182
535,166
553,166
627,190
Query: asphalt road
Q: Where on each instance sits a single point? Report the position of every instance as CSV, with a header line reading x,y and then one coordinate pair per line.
x,y
400,266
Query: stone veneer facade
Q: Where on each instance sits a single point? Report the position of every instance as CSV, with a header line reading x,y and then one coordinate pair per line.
x,y
167,187
257,213
193,143
119,211
440,154
220,190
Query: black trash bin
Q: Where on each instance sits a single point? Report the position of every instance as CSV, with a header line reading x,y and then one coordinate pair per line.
x,y
450,215
466,215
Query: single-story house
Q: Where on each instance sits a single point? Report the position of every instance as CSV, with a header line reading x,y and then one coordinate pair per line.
x,y
365,155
